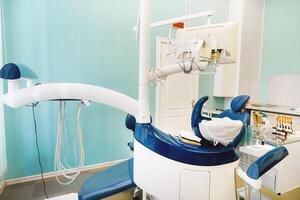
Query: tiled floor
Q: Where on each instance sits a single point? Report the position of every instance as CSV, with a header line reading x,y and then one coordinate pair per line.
x,y
34,190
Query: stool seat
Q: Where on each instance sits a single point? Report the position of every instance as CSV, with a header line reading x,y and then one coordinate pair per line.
x,y
113,180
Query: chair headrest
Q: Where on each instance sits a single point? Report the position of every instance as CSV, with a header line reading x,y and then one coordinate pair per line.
x,y
239,103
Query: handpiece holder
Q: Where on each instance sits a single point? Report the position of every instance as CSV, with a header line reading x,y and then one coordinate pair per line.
x,y
14,73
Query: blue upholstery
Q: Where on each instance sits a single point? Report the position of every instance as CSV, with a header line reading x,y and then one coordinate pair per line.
x,y
197,116
174,149
235,113
10,71
266,162
111,181
239,103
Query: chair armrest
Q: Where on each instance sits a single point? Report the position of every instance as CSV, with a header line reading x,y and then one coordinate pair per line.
x,y
266,162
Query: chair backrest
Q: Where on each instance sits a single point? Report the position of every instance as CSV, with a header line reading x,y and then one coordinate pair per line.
x,y
235,113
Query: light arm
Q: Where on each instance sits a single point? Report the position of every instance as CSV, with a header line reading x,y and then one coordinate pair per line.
x,y
162,73
180,19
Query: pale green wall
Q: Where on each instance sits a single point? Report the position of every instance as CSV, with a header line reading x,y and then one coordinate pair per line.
x,y
281,44
86,41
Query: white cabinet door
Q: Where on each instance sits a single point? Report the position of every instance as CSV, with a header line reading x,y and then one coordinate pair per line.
x,y
176,95
194,185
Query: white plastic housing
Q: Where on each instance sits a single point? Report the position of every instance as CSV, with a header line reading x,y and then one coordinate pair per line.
x,y
166,179
166,71
13,85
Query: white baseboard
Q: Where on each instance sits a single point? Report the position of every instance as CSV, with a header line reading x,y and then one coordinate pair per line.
x,y
52,174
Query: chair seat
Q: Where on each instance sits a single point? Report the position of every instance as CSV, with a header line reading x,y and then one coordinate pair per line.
x,y
113,180
173,148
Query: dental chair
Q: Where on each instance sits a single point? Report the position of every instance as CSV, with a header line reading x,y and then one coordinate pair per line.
x,y
119,178
170,169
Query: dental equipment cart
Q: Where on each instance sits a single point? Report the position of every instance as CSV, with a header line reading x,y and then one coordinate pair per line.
x,y
285,176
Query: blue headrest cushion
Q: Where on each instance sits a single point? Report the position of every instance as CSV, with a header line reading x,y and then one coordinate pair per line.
x,y
239,103
10,71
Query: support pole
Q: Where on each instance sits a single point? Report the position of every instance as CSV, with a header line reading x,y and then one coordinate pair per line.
x,y
144,61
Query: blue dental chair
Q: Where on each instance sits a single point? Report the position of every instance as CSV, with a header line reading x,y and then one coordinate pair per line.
x,y
119,178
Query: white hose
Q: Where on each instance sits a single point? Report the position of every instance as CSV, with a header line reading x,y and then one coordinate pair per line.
x,y
61,169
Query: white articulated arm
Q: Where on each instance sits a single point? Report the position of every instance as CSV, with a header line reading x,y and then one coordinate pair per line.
x,y
71,91
162,73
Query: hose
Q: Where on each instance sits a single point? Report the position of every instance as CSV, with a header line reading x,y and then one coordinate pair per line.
x,y
62,167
